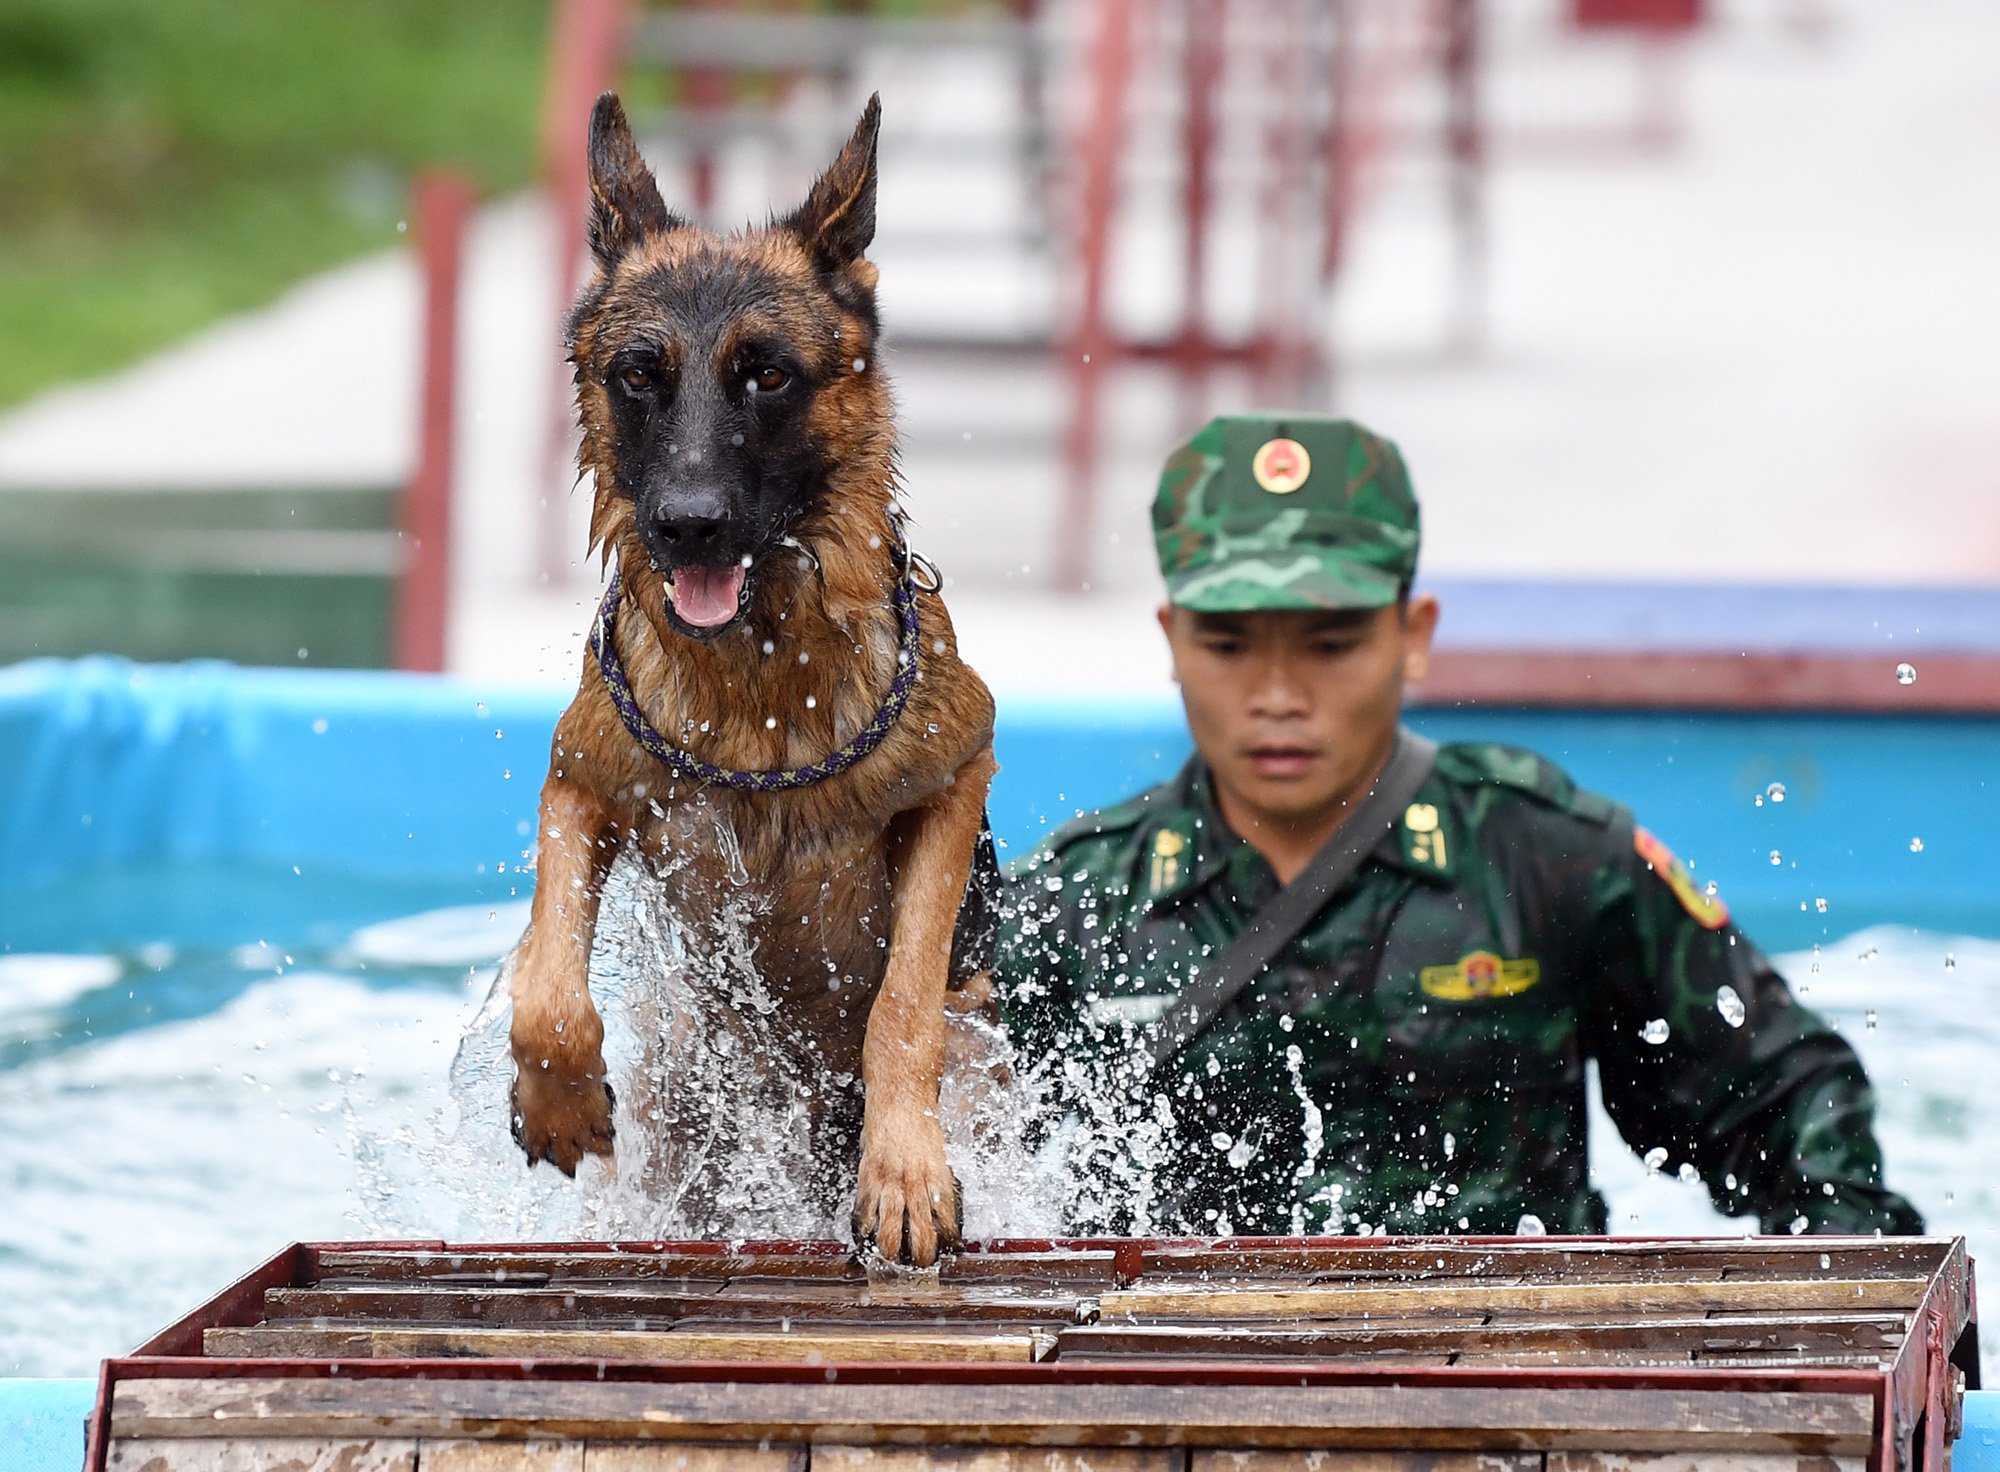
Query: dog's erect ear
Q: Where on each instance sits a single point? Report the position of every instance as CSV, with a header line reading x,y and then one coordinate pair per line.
x,y
837,221
625,203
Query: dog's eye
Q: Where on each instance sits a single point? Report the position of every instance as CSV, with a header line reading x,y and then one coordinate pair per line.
x,y
770,380
637,379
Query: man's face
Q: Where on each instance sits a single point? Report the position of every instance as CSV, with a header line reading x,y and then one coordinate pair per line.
x,y
1294,711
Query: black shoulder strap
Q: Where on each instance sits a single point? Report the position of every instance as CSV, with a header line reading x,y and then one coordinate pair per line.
x,y
1286,912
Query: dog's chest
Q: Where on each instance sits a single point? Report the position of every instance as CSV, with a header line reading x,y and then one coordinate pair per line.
x,y
814,911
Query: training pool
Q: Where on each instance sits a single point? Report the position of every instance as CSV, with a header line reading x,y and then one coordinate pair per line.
x,y
248,916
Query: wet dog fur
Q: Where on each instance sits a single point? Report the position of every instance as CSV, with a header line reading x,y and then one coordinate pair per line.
x,y
734,417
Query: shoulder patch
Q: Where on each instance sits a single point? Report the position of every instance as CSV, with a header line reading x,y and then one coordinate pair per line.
x,y
1168,858
1709,912
1424,840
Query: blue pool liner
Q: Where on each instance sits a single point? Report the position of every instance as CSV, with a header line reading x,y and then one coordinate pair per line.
x,y
41,1423
210,785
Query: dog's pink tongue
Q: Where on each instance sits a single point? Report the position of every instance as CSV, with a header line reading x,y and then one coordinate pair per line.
x,y
707,596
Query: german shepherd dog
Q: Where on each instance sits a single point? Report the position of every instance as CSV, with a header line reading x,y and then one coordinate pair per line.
x,y
740,433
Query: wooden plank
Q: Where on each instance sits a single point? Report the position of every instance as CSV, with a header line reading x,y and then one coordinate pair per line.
x,y
1777,1295
996,1459
1877,1335
264,1454
1059,1413
1071,1268
1568,1261
500,1456
810,1346
1382,1461
668,1456
637,1306
1682,1462
427,1302
531,1267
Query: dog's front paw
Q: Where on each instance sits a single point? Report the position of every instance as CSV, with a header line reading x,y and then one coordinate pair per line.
x,y
561,1117
906,1204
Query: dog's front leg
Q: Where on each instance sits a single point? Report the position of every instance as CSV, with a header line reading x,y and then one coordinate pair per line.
x,y
906,1200
562,1104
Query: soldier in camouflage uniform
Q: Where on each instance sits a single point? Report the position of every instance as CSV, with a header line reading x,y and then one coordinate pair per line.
x,y
1414,1059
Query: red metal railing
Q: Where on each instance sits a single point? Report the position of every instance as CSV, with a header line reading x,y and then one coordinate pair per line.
x,y
441,205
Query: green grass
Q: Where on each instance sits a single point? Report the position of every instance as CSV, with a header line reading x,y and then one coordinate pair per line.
x,y
166,162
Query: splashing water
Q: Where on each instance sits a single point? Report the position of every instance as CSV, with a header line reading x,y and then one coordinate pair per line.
x,y
730,1124
1730,1005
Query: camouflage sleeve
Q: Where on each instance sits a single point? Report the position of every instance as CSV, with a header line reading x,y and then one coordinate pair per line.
x,y
1704,1053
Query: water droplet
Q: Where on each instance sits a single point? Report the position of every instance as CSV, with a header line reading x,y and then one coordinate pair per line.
x,y
1655,1158
1655,1032
1799,1224
319,726
812,702
1687,1174
1776,857
1729,1005
1871,1019
1906,674
1530,1225
860,365
770,647
1950,962
770,723
1820,905
1776,792
1220,1140
1916,845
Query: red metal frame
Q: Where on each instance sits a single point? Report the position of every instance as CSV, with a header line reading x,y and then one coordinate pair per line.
x,y
441,205
1953,684
1922,1382
584,44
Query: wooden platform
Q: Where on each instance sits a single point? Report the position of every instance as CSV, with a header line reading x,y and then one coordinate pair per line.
x,y
1510,1355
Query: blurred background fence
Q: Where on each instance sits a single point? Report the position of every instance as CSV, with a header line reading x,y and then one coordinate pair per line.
x,y
1516,236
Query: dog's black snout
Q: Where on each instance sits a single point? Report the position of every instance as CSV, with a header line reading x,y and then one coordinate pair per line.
x,y
692,522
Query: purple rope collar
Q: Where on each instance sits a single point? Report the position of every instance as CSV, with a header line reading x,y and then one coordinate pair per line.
x,y
681,764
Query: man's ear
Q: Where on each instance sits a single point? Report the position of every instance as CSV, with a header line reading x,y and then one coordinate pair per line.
x,y
1165,614
837,221
1420,621
625,203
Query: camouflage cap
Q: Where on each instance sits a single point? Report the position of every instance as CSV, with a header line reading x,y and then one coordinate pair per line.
x,y
1285,511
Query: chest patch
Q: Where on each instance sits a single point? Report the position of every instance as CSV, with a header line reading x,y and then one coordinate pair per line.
x,y
1709,912
1479,977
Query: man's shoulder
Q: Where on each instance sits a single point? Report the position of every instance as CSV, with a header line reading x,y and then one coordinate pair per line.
x,y
1112,839
1523,781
